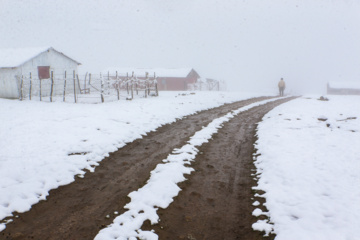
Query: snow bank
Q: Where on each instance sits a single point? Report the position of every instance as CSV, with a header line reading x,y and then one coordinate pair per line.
x,y
310,169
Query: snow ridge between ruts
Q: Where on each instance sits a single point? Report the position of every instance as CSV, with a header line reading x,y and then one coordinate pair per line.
x,y
161,188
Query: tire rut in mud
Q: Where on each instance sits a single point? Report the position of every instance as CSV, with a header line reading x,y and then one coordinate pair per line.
x,y
79,210
215,200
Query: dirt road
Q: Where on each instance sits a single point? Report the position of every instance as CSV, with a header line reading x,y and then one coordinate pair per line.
x,y
215,202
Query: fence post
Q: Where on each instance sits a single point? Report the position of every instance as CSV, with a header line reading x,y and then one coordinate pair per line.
x,y
156,86
132,86
74,77
102,88
108,82
21,87
85,82
30,87
146,81
52,85
64,86
127,83
40,87
117,86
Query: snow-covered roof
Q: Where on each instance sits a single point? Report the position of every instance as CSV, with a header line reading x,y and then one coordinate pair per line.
x,y
14,57
345,85
160,72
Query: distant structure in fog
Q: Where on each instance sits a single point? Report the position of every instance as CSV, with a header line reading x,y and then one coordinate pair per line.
x,y
171,79
343,88
168,79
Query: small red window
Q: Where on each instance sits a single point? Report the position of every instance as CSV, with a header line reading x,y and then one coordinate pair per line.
x,y
44,72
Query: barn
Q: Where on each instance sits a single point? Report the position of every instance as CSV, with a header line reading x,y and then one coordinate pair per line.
x,y
343,88
168,79
35,62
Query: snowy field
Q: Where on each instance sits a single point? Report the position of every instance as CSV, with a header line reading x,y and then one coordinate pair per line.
x,y
44,145
309,169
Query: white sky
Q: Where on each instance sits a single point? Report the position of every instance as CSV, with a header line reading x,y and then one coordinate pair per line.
x,y
250,44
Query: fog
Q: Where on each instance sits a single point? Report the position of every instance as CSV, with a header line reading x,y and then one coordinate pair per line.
x,y
249,44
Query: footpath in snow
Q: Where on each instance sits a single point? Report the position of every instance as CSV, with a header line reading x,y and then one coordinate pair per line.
x,y
44,145
309,168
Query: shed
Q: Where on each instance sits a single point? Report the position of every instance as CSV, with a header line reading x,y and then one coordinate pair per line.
x,y
39,62
168,79
343,88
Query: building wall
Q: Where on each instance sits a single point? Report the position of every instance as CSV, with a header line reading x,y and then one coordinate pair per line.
x,y
175,84
8,83
343,91
10,78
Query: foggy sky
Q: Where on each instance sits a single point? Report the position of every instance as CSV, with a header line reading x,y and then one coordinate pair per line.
x,y
249,44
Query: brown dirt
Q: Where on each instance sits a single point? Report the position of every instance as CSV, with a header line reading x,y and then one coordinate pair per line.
x,y
215,202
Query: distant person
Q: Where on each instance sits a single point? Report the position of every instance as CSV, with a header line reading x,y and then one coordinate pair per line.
x,y
281,86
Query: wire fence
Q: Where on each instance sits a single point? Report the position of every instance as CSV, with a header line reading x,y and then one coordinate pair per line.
x,y
88,88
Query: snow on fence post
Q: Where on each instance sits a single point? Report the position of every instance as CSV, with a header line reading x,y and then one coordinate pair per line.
x,y
85,81
64,86
136,86
21,87
30,87
74,77
102,88
146,81
52,85
156,87
40,88
127,83
108,82
131,85
117,86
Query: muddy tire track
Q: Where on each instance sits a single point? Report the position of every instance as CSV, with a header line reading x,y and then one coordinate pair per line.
x,y
79,210
215,201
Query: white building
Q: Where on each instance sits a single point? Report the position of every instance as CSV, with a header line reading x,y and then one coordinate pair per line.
x,y
343,88
37,62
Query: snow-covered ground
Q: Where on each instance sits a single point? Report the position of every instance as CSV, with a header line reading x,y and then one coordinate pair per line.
x,y
44,145
310,171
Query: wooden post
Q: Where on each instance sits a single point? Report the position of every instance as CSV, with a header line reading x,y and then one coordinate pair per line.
x,y
148,84
21,87
102,88
156,87
64,87
85,82
30,87
127,83
52,85
74,77
40,87
131,85
108,82
117,86
146,81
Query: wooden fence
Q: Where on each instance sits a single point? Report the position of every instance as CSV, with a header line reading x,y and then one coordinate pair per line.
x,y
88,88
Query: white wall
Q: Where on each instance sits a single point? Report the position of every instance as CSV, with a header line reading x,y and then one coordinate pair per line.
x,y
9,84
